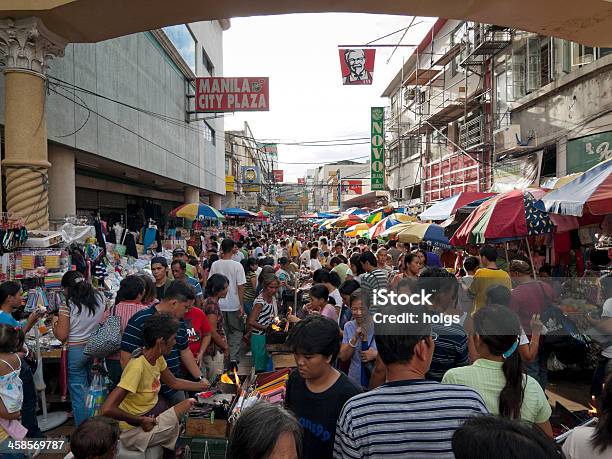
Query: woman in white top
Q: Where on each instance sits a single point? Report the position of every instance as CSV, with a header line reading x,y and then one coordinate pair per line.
x,y
594,442
314,259
77,320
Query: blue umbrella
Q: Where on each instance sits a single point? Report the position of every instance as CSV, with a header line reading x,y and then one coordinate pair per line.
x,y
237,212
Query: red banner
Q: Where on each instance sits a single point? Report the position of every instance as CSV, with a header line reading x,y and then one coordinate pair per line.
x,y
217,94
301,181
357,65
278,175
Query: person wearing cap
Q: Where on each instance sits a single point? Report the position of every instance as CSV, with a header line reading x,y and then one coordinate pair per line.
x,y
180,254
159,269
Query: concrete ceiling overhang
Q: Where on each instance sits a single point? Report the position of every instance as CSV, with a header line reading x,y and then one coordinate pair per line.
x,y
586,21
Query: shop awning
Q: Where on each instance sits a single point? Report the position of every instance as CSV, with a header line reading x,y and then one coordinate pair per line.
x,y
591,193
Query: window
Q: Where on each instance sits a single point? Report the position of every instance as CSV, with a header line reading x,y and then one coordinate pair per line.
x,y
207,63
519,73
209,134
602,52
549,161
546,61
501,99
582,54
533,64
184,42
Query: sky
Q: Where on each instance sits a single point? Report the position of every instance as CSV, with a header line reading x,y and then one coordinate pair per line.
x,y
308,102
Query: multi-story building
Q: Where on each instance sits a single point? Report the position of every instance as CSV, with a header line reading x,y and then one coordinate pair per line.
x,y
335,183
243,151
479,107
123,142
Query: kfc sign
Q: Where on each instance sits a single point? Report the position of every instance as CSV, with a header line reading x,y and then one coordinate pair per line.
x,y
357,65
216,94
352,186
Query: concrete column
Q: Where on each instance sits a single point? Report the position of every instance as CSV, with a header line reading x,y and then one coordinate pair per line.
x,y
28,46
215,200
62,183
192,194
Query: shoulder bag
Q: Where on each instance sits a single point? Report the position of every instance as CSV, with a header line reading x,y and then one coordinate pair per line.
x,y
106,340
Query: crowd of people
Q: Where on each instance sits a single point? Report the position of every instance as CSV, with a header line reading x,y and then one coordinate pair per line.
x,y
467,388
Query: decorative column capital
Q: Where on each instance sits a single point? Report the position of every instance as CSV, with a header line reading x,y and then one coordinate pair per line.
x,y
28,45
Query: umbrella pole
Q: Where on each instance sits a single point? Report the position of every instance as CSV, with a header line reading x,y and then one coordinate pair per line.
x,y
530,258
507,259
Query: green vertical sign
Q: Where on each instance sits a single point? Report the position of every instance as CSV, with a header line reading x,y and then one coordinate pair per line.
x,y
377,147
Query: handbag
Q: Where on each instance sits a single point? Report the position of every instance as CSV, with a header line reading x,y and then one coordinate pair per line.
x,y
106,340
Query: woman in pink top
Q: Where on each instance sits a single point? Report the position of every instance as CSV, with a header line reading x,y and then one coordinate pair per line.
x,y
127,303
319,304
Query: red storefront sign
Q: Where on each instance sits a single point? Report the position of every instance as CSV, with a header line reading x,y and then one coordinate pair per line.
x,y
218,94
278,175
301,181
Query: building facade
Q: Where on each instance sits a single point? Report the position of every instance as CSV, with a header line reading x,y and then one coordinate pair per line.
x,y
479,107
249,169
335,183
123,140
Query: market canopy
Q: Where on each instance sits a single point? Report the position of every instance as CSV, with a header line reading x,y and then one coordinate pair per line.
x,y
590,193
415,232
588,22
444,209
238,212
388,222
197,211
358,230
507,216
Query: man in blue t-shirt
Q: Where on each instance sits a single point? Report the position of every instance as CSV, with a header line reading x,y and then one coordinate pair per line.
x,y
177,296
179,272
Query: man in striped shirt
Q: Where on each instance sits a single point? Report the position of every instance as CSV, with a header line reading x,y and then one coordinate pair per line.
x,y
177,296
408,417
374,278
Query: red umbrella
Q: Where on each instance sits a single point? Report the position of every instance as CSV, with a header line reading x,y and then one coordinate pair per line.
x,y
511,215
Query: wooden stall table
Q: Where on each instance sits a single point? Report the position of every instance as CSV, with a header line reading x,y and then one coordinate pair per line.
x,y
282,356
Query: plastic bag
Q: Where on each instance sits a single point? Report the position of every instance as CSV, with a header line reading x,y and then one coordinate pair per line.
x,y
96,395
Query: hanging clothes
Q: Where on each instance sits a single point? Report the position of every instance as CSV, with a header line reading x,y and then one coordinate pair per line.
x,y
150,235
130,245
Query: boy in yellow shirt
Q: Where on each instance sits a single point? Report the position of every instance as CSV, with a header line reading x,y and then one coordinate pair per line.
x,y
144,418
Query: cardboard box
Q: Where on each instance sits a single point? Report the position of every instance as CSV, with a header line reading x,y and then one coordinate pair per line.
x,y
201,427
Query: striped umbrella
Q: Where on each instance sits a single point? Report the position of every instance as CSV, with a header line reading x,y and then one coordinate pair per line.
x,y
358,230
388,222
378,214
347,220
197,211
505,217
414,233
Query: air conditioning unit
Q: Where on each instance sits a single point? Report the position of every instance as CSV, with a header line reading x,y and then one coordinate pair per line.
x,y
409,95
507,138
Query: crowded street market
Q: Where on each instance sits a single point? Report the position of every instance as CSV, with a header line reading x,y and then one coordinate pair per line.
x,y
227,234
243,313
